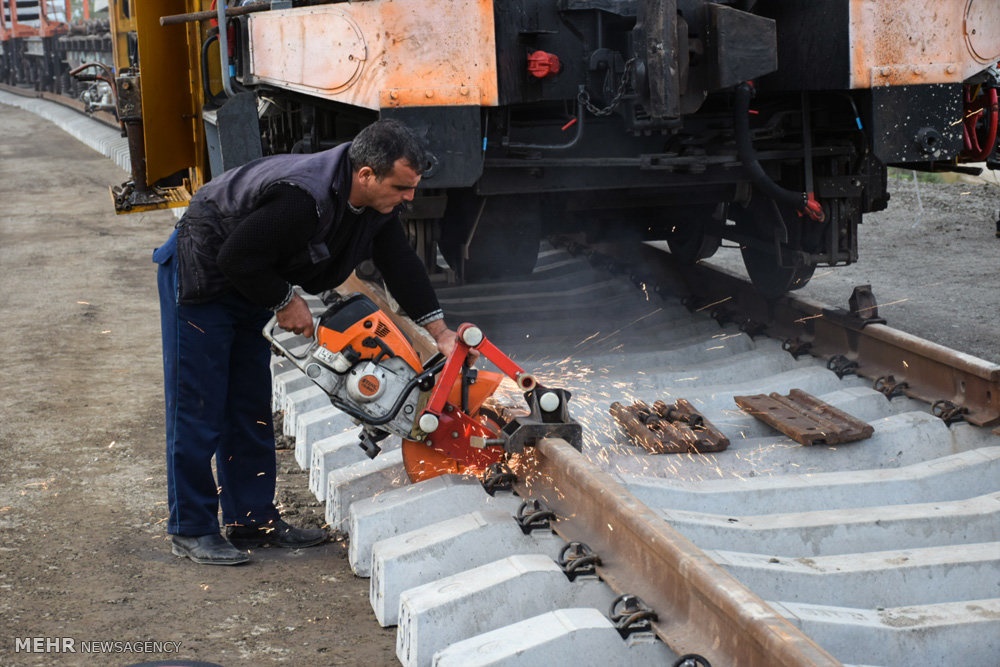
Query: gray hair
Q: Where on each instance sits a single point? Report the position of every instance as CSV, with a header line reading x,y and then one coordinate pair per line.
x,y
382,143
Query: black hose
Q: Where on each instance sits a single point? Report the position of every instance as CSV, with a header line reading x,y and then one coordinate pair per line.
x,y
748,156
219,100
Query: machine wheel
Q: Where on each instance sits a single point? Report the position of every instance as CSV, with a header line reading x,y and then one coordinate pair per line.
x,y
423,462
691,238
505,238
771,279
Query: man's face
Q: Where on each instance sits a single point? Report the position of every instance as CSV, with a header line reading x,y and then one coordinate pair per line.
x,y
386,193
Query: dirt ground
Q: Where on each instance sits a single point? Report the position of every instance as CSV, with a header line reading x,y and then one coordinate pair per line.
x,y
83,550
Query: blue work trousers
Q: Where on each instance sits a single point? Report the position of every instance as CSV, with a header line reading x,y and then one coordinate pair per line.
x,y
217,384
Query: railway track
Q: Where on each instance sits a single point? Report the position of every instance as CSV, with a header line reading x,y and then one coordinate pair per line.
x,y
884,551
99,130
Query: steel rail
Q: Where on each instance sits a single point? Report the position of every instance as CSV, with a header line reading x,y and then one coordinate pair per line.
x,y
700,607
68,102
908,364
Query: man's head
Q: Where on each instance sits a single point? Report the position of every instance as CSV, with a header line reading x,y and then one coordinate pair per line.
x,y
387,161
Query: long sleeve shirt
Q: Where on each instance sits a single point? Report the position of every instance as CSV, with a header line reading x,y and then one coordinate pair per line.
x,y
262,256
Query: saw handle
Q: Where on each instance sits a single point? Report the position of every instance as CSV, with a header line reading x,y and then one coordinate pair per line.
x,y
283,350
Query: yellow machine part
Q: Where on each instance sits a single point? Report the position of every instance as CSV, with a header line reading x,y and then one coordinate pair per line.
x,y
171,88
170,80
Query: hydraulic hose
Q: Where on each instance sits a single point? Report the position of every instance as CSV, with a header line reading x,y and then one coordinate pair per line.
x,y
803,202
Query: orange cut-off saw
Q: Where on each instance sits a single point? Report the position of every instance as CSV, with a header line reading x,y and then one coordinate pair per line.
x,y
441,410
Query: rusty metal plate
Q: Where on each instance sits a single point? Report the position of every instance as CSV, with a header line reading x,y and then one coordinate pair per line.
x,y
805,419
320,54
360,53
920,41
982,30
669,429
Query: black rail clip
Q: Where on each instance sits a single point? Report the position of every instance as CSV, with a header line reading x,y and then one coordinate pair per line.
x,y
577,559
534,515
842,366
796,347
887,385
630,615
752,327
864,306
498,477
948,412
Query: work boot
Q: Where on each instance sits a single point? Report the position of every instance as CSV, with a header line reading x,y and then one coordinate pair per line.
x,y
211,549
276,533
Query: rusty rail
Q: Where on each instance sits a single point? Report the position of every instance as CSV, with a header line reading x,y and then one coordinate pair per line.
x,y
68,102
700,607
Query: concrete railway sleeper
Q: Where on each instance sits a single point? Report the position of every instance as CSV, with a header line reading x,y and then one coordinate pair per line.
x,y
876,552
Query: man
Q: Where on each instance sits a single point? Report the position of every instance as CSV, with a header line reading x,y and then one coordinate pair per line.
x,y
247,237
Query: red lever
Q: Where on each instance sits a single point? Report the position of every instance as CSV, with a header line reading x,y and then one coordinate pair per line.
x,y
470,337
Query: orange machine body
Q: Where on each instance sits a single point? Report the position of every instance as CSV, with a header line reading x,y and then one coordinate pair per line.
x,y
355,330
360,327
449,450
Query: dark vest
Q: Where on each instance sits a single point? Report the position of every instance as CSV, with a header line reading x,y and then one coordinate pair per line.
x,y
222,204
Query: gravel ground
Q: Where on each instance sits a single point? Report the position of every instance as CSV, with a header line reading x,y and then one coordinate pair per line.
x,y
83,547
83,551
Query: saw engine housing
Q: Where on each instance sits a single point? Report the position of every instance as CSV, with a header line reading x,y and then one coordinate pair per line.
x,y
365,365
369,370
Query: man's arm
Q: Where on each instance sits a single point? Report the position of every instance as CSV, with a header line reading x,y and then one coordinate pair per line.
x,y
280,227
407,279
296,317
444,337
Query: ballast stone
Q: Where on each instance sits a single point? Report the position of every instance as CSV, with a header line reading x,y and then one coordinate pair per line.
x,y
577,636
412,507
439,614
438,550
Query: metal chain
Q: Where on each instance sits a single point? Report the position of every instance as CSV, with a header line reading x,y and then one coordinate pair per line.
x,y
584,96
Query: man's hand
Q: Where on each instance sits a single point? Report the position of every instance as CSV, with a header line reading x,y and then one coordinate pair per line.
x,y
447,339
296,317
